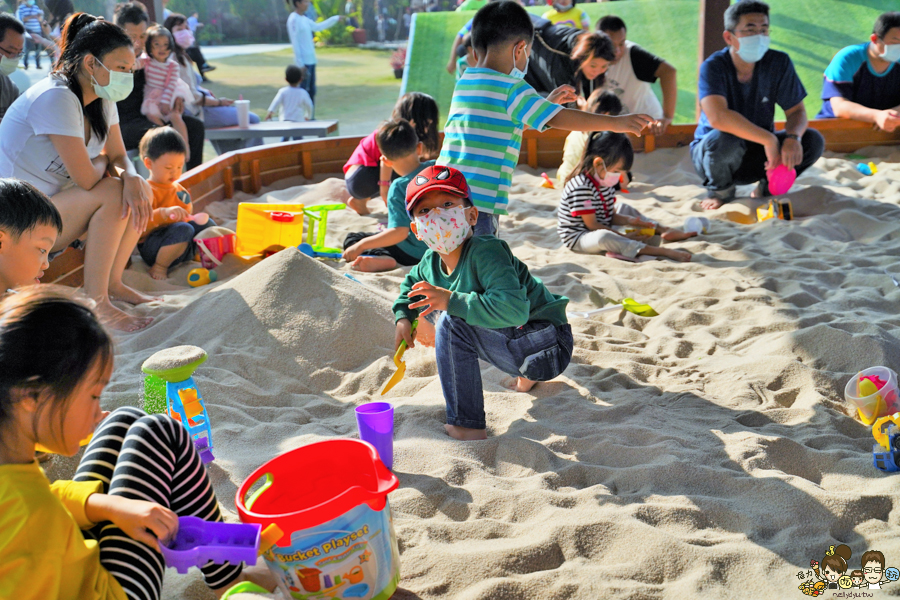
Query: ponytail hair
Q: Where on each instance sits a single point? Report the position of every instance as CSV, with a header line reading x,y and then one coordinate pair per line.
x,y
836,559
81,35
422,110
49,342
613,148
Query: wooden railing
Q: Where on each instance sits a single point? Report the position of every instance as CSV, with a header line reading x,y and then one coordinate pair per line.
x,y
251,169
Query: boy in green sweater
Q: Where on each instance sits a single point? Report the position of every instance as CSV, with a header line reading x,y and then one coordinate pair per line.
x,y
493,308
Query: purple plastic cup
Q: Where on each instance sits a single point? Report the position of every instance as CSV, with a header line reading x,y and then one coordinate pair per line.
x,y
376,426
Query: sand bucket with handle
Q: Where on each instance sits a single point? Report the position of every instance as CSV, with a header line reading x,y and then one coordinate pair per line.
x,y
214,243
329,499
874,393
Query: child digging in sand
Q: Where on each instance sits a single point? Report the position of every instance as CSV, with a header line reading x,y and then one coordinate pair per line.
x,y
169,237
400,149
588,211
97,536
29,226
493,308
492,105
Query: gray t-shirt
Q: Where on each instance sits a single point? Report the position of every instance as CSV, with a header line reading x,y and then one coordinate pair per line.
x,y
8,94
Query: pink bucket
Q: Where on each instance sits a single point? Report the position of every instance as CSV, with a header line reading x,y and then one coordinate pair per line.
x,y
213,249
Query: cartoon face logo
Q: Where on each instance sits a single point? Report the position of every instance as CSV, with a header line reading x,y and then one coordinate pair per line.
x,y
872,572
845,582
892,574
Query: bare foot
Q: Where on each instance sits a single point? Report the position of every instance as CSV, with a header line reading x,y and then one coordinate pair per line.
x,y
126,294
425,333
359,206
116,319
519,384
159,272
373,264
258,574
676,235
711,203
465,434
679,255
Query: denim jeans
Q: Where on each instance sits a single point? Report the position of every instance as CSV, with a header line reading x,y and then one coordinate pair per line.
x,y
309,84
169,235
487,224
724,160
538,351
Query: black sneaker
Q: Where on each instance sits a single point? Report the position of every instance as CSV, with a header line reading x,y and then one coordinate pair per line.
x,y
207,68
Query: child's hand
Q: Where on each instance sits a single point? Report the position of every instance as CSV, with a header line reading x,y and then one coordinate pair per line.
x,y
633,124
164,109
563,95
352,253
176,213
435,298
637,222
145,522
404,332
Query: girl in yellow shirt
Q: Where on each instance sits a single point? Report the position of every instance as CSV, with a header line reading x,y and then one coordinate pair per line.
x,y
96,537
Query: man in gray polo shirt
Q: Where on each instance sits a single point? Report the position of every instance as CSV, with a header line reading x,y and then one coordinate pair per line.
x,y
12,42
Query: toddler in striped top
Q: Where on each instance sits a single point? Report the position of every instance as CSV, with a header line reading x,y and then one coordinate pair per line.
x,y
164,84
588,212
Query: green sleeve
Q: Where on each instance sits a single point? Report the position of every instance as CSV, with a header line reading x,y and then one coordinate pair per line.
x,y
504,302
401,304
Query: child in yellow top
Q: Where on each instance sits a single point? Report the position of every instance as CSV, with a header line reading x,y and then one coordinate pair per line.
x,y
55,360
169,237
563,12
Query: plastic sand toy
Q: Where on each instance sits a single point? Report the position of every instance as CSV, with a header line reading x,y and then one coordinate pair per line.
x,y
874,392
198,542
184,403
200,276
401,366
781,179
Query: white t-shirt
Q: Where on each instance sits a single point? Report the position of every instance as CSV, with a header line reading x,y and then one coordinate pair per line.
x,y
633,88
300,30
295,103
47,108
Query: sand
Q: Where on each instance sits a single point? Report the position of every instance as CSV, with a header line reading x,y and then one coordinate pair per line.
x,y
703,453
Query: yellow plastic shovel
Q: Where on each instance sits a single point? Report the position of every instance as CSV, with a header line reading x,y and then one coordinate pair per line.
x,y
629,304
401,366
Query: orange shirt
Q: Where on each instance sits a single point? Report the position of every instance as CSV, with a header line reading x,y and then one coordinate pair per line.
x,y
165,197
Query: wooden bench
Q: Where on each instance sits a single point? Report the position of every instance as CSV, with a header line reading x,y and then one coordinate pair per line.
x,y
275,129
250,169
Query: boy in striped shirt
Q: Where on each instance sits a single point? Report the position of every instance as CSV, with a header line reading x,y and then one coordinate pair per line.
x,y
492,105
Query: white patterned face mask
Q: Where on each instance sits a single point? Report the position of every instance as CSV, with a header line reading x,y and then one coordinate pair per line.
x,y
443,229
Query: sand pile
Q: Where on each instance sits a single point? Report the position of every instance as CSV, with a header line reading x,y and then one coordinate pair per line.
x,y
703,453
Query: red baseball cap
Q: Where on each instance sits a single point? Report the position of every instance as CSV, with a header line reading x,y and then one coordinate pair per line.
x,y
433,178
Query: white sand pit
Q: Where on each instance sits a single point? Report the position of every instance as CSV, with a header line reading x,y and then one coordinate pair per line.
x,y
703,453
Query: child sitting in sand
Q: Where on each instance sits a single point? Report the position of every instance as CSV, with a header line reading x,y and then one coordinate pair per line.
x,y
492,105
98,535
169,237
29,226
588,211
164,82
600,103
494,309
292,101
365,176
400,149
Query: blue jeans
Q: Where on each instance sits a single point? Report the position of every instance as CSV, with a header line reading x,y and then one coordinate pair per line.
x,y
487,224
724,160
538,351
309,84
215,117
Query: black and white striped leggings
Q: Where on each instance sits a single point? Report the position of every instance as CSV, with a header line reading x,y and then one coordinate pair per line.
x,y
152,458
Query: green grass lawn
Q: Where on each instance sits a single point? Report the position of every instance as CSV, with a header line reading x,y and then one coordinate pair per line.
x,y
811,31
356,87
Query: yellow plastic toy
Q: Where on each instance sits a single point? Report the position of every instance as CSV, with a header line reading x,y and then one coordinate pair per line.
x,y
879,429
776,209
200,276
262,227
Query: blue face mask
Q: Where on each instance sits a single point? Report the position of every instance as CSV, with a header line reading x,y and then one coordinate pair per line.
x,y
753,48
516,73
891,53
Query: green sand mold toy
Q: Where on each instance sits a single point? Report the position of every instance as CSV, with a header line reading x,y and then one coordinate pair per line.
x,y
176,366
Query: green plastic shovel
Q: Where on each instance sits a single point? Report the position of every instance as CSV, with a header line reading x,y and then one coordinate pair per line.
x,y
401,366
629,304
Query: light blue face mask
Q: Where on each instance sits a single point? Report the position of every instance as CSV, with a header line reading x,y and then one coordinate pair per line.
x,y
119,86
891,53
516,73
753,48
8,66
